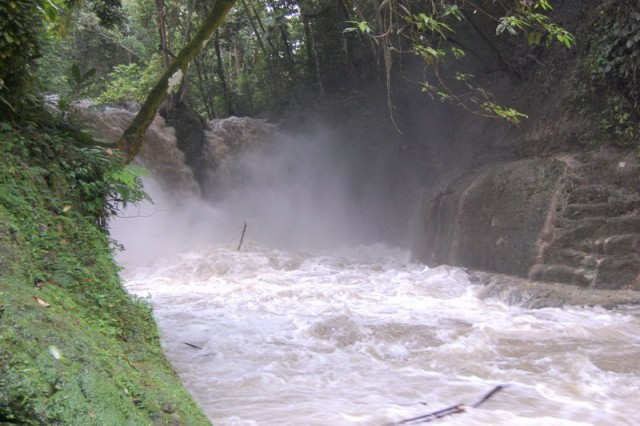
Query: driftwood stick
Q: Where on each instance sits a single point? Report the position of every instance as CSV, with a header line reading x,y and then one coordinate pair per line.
x,y
431,416
242,237
454,409
192,345
489,395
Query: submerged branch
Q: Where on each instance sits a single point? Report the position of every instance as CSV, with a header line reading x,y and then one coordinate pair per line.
x,y
454,409
244,229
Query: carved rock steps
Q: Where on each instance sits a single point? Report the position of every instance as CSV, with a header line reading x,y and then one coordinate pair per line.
x,y
596,240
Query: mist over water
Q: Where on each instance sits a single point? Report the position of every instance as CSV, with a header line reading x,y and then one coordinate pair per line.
x,y
312,323
294,193
304,192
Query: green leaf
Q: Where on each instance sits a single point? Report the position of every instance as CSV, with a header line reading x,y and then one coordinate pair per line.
x,y
362,26
457,52
137,170
534,38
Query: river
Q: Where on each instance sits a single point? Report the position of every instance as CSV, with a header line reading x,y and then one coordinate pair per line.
x,y
362,336
347,334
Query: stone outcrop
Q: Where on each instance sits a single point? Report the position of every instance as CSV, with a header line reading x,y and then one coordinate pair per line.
x,y
566,219
190,138
159,153
186,167
227,139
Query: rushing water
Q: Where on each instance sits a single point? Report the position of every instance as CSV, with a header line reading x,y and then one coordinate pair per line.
x,y
356,336
364,337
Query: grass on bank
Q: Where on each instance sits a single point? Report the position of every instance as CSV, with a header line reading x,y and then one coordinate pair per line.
x,y
75,349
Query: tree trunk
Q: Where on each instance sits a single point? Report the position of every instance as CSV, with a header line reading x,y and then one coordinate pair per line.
x,y
274,50
202,86
285,37
131,141
254,27
187,30
308,42
164,46
236,57
221,76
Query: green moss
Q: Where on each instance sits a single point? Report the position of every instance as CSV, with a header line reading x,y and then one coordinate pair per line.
x,y
92,357
606,82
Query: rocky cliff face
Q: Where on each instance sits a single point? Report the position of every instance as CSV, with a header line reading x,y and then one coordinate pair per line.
x,y
570,219
546,200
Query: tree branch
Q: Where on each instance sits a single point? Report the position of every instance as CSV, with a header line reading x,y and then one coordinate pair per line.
x,y
131,141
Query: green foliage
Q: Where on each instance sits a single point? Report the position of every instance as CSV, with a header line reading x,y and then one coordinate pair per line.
x,y
94,174
509,114
21,26
271,53
477,100
52,68
96,41
611,68
127,183
432,29
618,53
92,356
130,82
619,118
535,26
109,12
79,81
78,84
90,173
362,26
428,24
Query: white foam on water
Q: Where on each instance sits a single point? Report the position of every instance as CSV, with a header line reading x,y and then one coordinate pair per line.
x,y
364,337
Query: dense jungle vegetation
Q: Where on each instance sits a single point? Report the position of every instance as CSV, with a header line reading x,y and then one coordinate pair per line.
x,y
74,348
269,56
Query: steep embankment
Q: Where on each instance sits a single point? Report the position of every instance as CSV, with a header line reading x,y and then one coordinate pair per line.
x,y
74,347
557,198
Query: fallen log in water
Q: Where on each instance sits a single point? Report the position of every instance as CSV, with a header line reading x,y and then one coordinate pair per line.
x,y
454,409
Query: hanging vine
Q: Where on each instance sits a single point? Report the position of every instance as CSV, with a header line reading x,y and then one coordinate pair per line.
x,y
428,30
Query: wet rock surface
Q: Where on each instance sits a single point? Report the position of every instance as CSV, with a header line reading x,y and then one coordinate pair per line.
x,y
159,153
489,219
569,219
530,294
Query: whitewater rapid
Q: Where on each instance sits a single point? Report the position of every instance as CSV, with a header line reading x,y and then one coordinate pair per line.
x,y
362,336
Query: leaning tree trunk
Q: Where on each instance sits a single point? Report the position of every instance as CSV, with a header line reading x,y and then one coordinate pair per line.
x,y
131,141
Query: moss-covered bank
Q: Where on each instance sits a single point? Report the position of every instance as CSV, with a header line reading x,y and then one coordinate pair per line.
x,y
74,347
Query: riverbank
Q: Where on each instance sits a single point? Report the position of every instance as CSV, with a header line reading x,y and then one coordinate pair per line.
x,y
75,348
